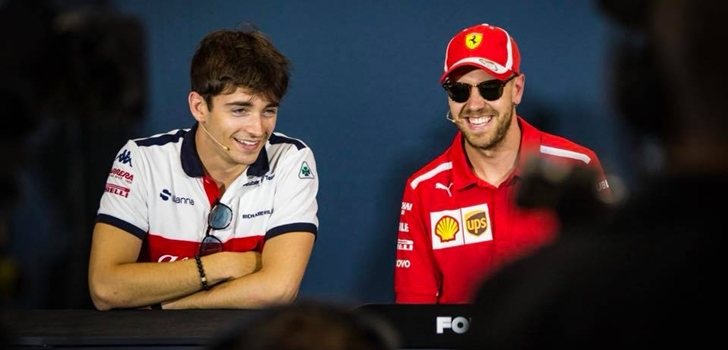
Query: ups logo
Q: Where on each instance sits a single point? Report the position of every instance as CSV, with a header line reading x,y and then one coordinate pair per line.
x,y
476,222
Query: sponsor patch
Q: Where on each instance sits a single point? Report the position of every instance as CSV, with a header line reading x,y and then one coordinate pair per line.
x,y
406,206
462,226
403,227
403,264
256,214
124,157
305,172
405,244
440,186
602,185
476,222
122,175
117,190
473,40
166,195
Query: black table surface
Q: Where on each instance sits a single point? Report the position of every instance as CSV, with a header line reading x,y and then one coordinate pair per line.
x,y
131,327
193,329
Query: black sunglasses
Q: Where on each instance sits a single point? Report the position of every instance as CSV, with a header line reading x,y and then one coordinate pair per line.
x,y
490,90
220,217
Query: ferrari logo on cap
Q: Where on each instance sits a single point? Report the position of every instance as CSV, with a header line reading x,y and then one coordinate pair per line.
x,y
473,40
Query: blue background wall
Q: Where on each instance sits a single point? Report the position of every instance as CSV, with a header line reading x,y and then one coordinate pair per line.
x,y
365,96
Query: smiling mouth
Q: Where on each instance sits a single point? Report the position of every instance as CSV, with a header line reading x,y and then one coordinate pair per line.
x,y
247,144
479,120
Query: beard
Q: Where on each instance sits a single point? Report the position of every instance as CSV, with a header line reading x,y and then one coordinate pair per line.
x,y
489,139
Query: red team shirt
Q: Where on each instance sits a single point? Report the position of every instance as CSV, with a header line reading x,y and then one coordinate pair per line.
x,y
456,229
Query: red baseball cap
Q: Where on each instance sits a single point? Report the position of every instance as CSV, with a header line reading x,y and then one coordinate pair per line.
x,y
485,47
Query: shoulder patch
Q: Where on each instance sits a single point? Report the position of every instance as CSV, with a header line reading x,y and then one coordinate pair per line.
x,y
305,172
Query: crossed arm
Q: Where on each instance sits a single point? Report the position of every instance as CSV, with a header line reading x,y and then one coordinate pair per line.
x,y
238,279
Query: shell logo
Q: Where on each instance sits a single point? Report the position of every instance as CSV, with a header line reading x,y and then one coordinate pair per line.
x,y
446,228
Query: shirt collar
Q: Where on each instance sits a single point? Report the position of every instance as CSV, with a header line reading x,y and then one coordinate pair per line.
x,y
192,165
463,174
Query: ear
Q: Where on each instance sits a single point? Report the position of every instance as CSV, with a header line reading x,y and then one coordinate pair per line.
x,y
519,83
198,106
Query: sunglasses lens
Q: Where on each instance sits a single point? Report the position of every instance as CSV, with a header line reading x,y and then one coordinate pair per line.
x,y
458,92
210,244
491,91
220,216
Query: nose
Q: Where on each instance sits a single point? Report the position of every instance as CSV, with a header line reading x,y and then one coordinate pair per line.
x,y
255,125
475,101
259,124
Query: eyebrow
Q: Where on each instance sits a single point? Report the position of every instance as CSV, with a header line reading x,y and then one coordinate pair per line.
x,y
249,104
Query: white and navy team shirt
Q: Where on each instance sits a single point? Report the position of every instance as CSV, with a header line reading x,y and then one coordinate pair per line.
x,y
156,191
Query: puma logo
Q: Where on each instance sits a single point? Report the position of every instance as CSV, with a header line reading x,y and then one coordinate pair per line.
x,y
443,187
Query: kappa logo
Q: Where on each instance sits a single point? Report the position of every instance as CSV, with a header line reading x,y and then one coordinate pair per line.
x,y
305,172
125,157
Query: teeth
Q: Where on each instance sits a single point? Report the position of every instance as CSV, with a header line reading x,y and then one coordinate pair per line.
x,y
479,120
245,142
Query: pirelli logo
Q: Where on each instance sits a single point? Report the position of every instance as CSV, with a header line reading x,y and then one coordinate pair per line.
x,y
117,190
405,244
468,225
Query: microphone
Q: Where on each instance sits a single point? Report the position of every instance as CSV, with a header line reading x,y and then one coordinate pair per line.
x,y
213,138
448,116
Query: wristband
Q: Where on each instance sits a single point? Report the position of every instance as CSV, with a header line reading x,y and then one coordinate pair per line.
x,y
201,270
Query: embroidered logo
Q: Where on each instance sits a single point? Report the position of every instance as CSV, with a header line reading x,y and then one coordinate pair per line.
x,y
305,172
440,186
117,190
122,174
405,244
125,157
406,206
473,40
446,228
167,195
476,222
473,221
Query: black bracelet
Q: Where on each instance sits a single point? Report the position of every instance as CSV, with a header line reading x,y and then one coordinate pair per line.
x,y
157,306
201,270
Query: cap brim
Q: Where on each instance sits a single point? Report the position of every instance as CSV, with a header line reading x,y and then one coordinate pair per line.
x,y
500,76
